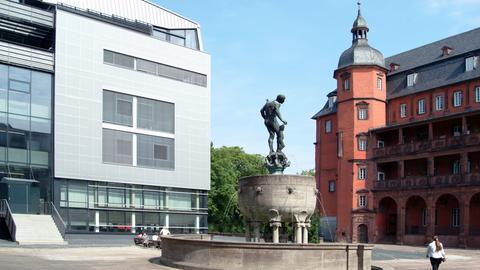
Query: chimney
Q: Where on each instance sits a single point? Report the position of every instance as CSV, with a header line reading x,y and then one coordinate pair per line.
x,y
446,51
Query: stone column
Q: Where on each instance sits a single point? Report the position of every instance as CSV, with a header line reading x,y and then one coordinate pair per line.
x,y
298,232
134,222
97,221
431,220
430,166
275,228
248,231
400,136
305,232
464,163
401,169
430,131
464,125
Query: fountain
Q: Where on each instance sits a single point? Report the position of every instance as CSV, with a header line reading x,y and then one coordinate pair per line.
x,y
275,199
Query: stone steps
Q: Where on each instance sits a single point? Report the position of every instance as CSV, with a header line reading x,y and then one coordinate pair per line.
x,y
37,229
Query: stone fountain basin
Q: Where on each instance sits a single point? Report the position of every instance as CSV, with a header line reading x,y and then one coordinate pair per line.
x,y
195,252
263,197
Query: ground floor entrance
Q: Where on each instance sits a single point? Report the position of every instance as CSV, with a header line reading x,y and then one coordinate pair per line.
x,y
23,195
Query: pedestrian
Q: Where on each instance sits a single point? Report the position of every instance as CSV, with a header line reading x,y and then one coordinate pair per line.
x,y
436,253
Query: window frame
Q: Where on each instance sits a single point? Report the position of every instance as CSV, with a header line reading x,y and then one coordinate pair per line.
x,y
421,106
412,79
328,126
379,83
403,110
457,98
362,143
331,186
346,84
360,115
477,94
455,217
362,173
471,63
439,102
362,201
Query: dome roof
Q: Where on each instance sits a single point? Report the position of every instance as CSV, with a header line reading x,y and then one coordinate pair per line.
x,y
361,54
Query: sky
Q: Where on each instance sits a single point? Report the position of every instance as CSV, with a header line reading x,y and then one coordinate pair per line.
x,y
261,48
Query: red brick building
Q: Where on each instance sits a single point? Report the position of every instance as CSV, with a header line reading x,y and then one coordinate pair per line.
x,y
398,143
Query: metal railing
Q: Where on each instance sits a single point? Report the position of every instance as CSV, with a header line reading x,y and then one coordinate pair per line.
x,y
6,213
57,218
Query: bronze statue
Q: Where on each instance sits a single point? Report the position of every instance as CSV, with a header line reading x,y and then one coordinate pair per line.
x,y
276,161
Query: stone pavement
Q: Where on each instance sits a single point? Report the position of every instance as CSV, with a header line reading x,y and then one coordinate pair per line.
x,y
393,257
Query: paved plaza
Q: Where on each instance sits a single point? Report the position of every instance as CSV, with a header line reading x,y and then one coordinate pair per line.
x,y
122,255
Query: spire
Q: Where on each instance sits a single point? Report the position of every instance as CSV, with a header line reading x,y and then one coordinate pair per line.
x,y
360,27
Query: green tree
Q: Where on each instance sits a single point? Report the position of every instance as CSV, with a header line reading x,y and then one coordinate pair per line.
x,y
228,164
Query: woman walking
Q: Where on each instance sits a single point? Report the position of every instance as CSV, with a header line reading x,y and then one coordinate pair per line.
x,y
436,253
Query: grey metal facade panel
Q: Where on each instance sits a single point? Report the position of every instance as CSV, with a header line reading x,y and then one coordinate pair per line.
x,y
135,10
432,76
26,13
25,56
81,77
430,53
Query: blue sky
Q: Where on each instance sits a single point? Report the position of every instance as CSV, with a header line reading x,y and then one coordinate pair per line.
x,y
260,48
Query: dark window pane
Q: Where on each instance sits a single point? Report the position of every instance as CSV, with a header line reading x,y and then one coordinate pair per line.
x,y
156,115
3,77
108,56
146,66
160,152
117,108
3,100
18,134
123,60
117,147
40,141
146,151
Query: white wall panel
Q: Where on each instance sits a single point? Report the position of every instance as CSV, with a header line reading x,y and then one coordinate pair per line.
x,y
80,79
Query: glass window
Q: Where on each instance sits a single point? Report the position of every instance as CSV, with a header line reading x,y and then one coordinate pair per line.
x,y
331,186
362,144
3,77
41,94
455,217
77,194
477,94
179,201
19,74
346,84
156,115
146,66
412,79
40,141
362,173
151,219
421,106
136,197
456,167
439,103
179,220
78,219
403,110
123,60
19,86
457,99
362,201
63,194
19,103
146,155
116,197
191,39
117,147
362,113
151,200
117,108
471,63
116,221
328,126
160,34
108,56
379,83
18,137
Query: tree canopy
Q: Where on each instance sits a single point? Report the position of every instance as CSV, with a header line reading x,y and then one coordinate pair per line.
x,y
228,164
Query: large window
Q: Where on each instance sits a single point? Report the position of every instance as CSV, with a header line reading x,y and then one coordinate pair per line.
x,y
152,150
117,108
155,115
130,62
183,37
156,152
117,146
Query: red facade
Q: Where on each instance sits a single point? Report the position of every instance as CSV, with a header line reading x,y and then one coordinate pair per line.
x,y
397,155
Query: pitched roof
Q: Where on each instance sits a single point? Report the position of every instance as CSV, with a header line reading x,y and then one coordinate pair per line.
x,y
326,110
432,52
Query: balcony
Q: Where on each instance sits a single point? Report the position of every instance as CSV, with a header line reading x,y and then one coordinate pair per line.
x,y
23,13
428,146
417,182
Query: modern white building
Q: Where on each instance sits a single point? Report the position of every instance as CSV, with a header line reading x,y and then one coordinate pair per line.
x,y
127,115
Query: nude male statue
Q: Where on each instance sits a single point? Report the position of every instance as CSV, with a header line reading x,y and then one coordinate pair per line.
x,y
270,112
